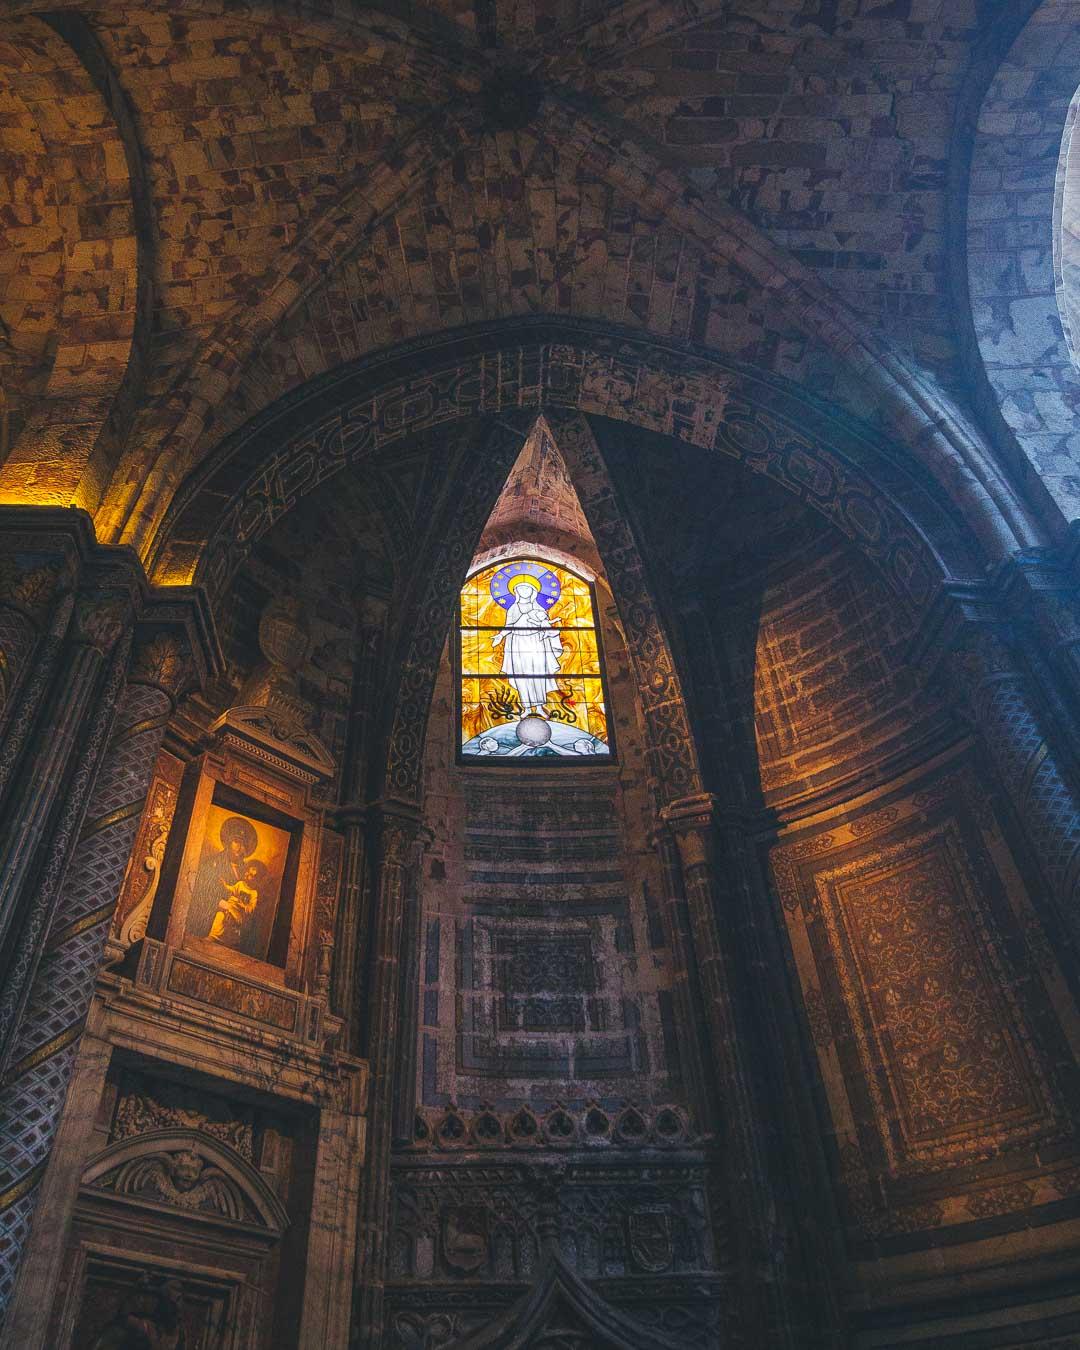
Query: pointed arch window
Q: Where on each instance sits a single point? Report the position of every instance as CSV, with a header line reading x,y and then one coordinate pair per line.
x,y
532,682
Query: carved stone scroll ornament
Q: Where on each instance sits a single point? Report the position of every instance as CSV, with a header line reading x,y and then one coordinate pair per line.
x,y
187,1171
163,804
149,1105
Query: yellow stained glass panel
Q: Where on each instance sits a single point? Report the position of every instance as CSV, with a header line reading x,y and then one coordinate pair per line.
x,y
531,673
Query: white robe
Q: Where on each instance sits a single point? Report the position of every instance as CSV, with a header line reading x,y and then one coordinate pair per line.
x,y
531,651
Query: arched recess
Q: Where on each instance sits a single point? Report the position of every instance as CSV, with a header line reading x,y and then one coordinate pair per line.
x,y
77,294
670,751
1022,368
494,381
561,1311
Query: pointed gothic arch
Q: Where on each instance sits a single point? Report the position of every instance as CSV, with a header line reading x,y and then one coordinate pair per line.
x,y
490,389
561,1312
673,763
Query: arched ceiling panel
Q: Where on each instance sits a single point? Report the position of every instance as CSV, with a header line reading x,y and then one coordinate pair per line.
x,y
514,226
829,126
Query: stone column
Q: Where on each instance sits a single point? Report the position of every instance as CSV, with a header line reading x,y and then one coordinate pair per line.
x,y
760,1246
72,907
993,686
1040,594
353,932
399,829
336,1192
403,1108
18,638
37,914
42,561
350,951
701,1084
22,711
27,1320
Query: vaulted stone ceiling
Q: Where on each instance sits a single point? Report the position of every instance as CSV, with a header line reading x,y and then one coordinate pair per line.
x,y
320,182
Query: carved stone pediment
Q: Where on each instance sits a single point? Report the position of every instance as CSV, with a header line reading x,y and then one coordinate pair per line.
x,y
561,1312
186,1170
275,739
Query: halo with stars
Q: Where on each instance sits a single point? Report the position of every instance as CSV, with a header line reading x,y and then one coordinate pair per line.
x,y
503,581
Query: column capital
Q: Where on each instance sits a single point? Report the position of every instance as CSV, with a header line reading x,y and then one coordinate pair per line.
x,y
697,812
401,826
351,814
961,613
692,820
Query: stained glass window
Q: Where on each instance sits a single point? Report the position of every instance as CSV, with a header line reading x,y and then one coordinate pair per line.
x,y
532,680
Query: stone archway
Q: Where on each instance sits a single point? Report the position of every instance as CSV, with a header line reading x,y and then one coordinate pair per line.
x,y
870,489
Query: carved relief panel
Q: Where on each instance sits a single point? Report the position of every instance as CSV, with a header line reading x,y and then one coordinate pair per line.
x,y
186,1215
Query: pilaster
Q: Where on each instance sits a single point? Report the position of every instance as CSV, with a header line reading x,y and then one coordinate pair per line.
x,y
399,829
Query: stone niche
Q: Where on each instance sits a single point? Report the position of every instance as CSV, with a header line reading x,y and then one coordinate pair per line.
x,y
205,1183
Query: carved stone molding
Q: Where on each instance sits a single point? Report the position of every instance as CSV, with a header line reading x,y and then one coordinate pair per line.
x,y
276,740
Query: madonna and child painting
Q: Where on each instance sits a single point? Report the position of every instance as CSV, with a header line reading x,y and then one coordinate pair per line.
x,y
237,886
531,678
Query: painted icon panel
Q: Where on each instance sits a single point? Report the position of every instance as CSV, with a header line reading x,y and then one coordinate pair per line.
x,y
237,886
532,681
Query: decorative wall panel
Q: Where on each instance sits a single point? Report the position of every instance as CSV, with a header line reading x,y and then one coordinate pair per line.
x,y
935,1008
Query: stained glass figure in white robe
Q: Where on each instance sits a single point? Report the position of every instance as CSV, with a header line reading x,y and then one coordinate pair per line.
x,y
531,647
